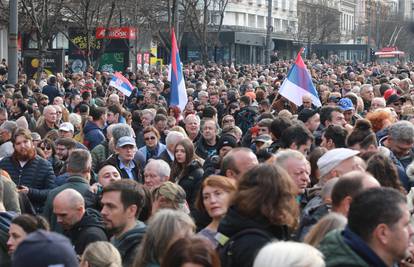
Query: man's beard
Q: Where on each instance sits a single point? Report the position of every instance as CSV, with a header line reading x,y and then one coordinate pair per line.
x,y
25,154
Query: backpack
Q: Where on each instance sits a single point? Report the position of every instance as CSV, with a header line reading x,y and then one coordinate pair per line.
x,y
226,245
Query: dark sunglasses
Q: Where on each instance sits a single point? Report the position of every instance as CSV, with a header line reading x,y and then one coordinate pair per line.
x,y
150,138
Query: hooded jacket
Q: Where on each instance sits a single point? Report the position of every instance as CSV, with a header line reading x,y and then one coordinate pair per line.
x,y
93,135
88,230
247,246
128,243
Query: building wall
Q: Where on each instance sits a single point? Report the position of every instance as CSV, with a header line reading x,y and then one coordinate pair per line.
x,y
253,14
348,11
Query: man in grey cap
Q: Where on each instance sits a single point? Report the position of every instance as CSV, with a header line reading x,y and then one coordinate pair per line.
x,y
124,161
6,131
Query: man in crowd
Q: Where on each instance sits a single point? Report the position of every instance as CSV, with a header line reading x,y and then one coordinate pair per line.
x,y
49,122
32,174
6,132
156,172
122,202
374,236
206,146
82,226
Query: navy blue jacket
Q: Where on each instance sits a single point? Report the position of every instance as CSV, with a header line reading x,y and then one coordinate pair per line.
x,y
37,174
93,135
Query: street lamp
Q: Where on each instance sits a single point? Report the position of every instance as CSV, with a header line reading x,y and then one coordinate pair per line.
x,y
12,44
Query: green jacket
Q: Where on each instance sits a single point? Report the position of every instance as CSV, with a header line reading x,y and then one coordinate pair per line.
x,y
75,182
337,253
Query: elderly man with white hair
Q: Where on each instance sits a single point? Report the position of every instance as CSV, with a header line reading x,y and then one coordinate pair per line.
x,y
49,121
156,172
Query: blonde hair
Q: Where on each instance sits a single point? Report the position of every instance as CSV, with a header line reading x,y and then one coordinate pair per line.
x,y
162,231
328,223
102,254
289,254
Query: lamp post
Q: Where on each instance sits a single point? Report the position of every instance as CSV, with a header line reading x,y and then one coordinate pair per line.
x,y
12,44
269,32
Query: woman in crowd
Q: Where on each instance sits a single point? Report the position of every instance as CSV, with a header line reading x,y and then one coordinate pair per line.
x,y
328,223
264,208
101,254
191,252
289,254
153,147
187,169
21,226
164,228
214,198
48,148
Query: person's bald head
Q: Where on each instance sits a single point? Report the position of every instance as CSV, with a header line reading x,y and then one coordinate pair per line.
x,y
348,187
68,207
107,174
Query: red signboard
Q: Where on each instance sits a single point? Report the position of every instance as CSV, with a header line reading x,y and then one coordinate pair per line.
x,y
116,33
139,59
146,58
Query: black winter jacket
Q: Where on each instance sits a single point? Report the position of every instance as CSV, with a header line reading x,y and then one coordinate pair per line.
x,y
247,246
37,174
192,181
88,230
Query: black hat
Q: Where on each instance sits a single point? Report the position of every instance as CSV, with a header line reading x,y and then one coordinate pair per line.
x,y
226,140
394,98
305,114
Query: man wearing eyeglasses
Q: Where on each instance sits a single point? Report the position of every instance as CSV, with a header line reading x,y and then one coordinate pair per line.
x,y
395,101
124,161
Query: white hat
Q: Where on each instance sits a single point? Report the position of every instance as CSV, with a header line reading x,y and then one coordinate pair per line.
x,y
66,127
333,158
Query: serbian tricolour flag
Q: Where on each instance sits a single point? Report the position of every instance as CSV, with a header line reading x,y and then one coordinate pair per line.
x,y
175,76
299,83
121,83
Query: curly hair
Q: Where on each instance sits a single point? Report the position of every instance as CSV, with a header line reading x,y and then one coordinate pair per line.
x,y
268,191
378,119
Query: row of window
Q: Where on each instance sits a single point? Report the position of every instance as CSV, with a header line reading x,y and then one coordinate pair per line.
x,y
257,21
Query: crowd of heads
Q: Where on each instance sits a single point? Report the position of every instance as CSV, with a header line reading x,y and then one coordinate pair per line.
x,y
241,176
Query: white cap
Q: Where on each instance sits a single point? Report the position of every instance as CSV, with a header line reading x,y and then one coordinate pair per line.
x,y
333,158
66,127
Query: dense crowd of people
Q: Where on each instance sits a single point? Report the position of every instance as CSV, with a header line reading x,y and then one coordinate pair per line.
x,y
240,177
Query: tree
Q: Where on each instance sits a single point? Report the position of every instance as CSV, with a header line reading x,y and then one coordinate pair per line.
x,y
43,18
206,20
317,23
86,16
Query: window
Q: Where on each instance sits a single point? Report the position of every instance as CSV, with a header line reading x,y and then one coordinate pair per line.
x,y
252,21
260,22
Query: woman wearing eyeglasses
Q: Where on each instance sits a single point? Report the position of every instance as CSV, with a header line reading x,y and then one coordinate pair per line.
x,y
153,147
48,152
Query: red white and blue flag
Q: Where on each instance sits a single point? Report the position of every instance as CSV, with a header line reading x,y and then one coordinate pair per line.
x,y
299,83
175,76
122,84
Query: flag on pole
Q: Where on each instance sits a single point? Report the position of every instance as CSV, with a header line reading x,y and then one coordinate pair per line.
x,y
122,84
175,76
299,83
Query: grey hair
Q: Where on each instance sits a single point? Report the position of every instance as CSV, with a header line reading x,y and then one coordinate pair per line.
x,y
402,131
365,87
284,155
197,118
173,137
163,169
120,130
9,126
